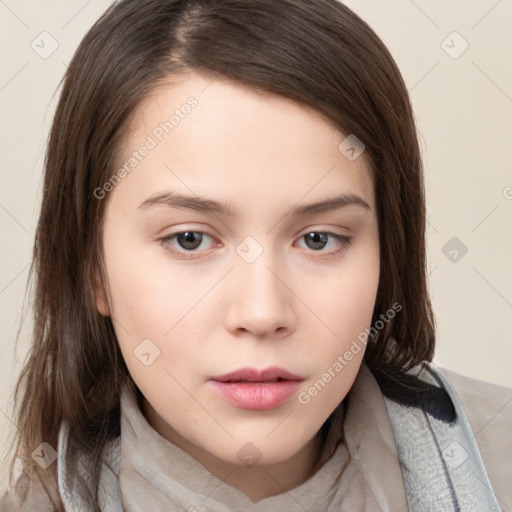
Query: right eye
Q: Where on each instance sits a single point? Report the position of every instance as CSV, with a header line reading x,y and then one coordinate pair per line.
x,y
188,240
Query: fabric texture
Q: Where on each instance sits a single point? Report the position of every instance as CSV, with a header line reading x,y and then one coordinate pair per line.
x,y
442,467
488,408
393,454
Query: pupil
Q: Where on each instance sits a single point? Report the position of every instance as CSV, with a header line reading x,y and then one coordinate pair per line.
x,y
318,238
189,237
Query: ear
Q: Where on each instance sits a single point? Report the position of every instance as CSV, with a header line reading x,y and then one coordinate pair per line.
x,y
99,294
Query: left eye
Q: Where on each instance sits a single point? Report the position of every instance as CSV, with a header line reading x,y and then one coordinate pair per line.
x,y
189,241
320,238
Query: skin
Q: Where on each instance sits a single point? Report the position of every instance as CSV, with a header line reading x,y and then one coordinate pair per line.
x,y
294,306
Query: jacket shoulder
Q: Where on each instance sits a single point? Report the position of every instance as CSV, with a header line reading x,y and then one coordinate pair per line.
x,y
488,408
31,495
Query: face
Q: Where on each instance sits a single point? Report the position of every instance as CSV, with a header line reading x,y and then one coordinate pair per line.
x,y
240,276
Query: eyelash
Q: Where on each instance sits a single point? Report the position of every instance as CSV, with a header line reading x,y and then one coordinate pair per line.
x,y
343,242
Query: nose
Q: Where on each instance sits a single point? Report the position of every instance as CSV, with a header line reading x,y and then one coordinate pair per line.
x,y
261,298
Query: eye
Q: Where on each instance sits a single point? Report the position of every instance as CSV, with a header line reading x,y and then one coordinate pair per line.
x,y
317,240
189,242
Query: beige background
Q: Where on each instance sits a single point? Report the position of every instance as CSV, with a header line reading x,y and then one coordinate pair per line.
x,y
463,104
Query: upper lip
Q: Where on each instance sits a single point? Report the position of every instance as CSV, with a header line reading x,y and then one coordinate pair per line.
x,y
254,375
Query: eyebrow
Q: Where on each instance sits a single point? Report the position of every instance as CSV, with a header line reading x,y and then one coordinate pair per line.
x,y
174,200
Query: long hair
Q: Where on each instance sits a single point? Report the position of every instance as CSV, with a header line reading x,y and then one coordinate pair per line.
x,y
315,52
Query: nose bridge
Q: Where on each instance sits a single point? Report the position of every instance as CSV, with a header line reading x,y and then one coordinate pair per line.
x,y
256,267
259,301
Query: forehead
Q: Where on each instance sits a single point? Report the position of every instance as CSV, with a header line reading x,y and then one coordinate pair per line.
x,y
213,137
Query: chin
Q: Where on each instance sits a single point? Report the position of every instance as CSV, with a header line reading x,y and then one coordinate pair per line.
x,y
259,451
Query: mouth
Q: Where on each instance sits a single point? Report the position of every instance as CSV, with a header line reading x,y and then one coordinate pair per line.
x,y
253,389
255,381
272,374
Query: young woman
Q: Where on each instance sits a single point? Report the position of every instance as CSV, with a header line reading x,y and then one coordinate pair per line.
x,y
231,307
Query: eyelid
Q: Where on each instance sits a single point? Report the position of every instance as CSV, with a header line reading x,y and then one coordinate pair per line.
x,y
182,254
342,241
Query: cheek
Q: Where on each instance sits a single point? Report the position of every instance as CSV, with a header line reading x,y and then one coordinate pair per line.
x,y
146,306
160,303
348,310
356,292
354,306
338,357
146,294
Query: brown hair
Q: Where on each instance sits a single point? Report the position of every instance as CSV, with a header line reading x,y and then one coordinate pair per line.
x,y
316,52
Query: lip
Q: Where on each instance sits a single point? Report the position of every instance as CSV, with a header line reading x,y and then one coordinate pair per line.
x,y
265,389
255,375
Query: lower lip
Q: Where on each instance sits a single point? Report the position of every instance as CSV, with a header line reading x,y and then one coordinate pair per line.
x,y
257,395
